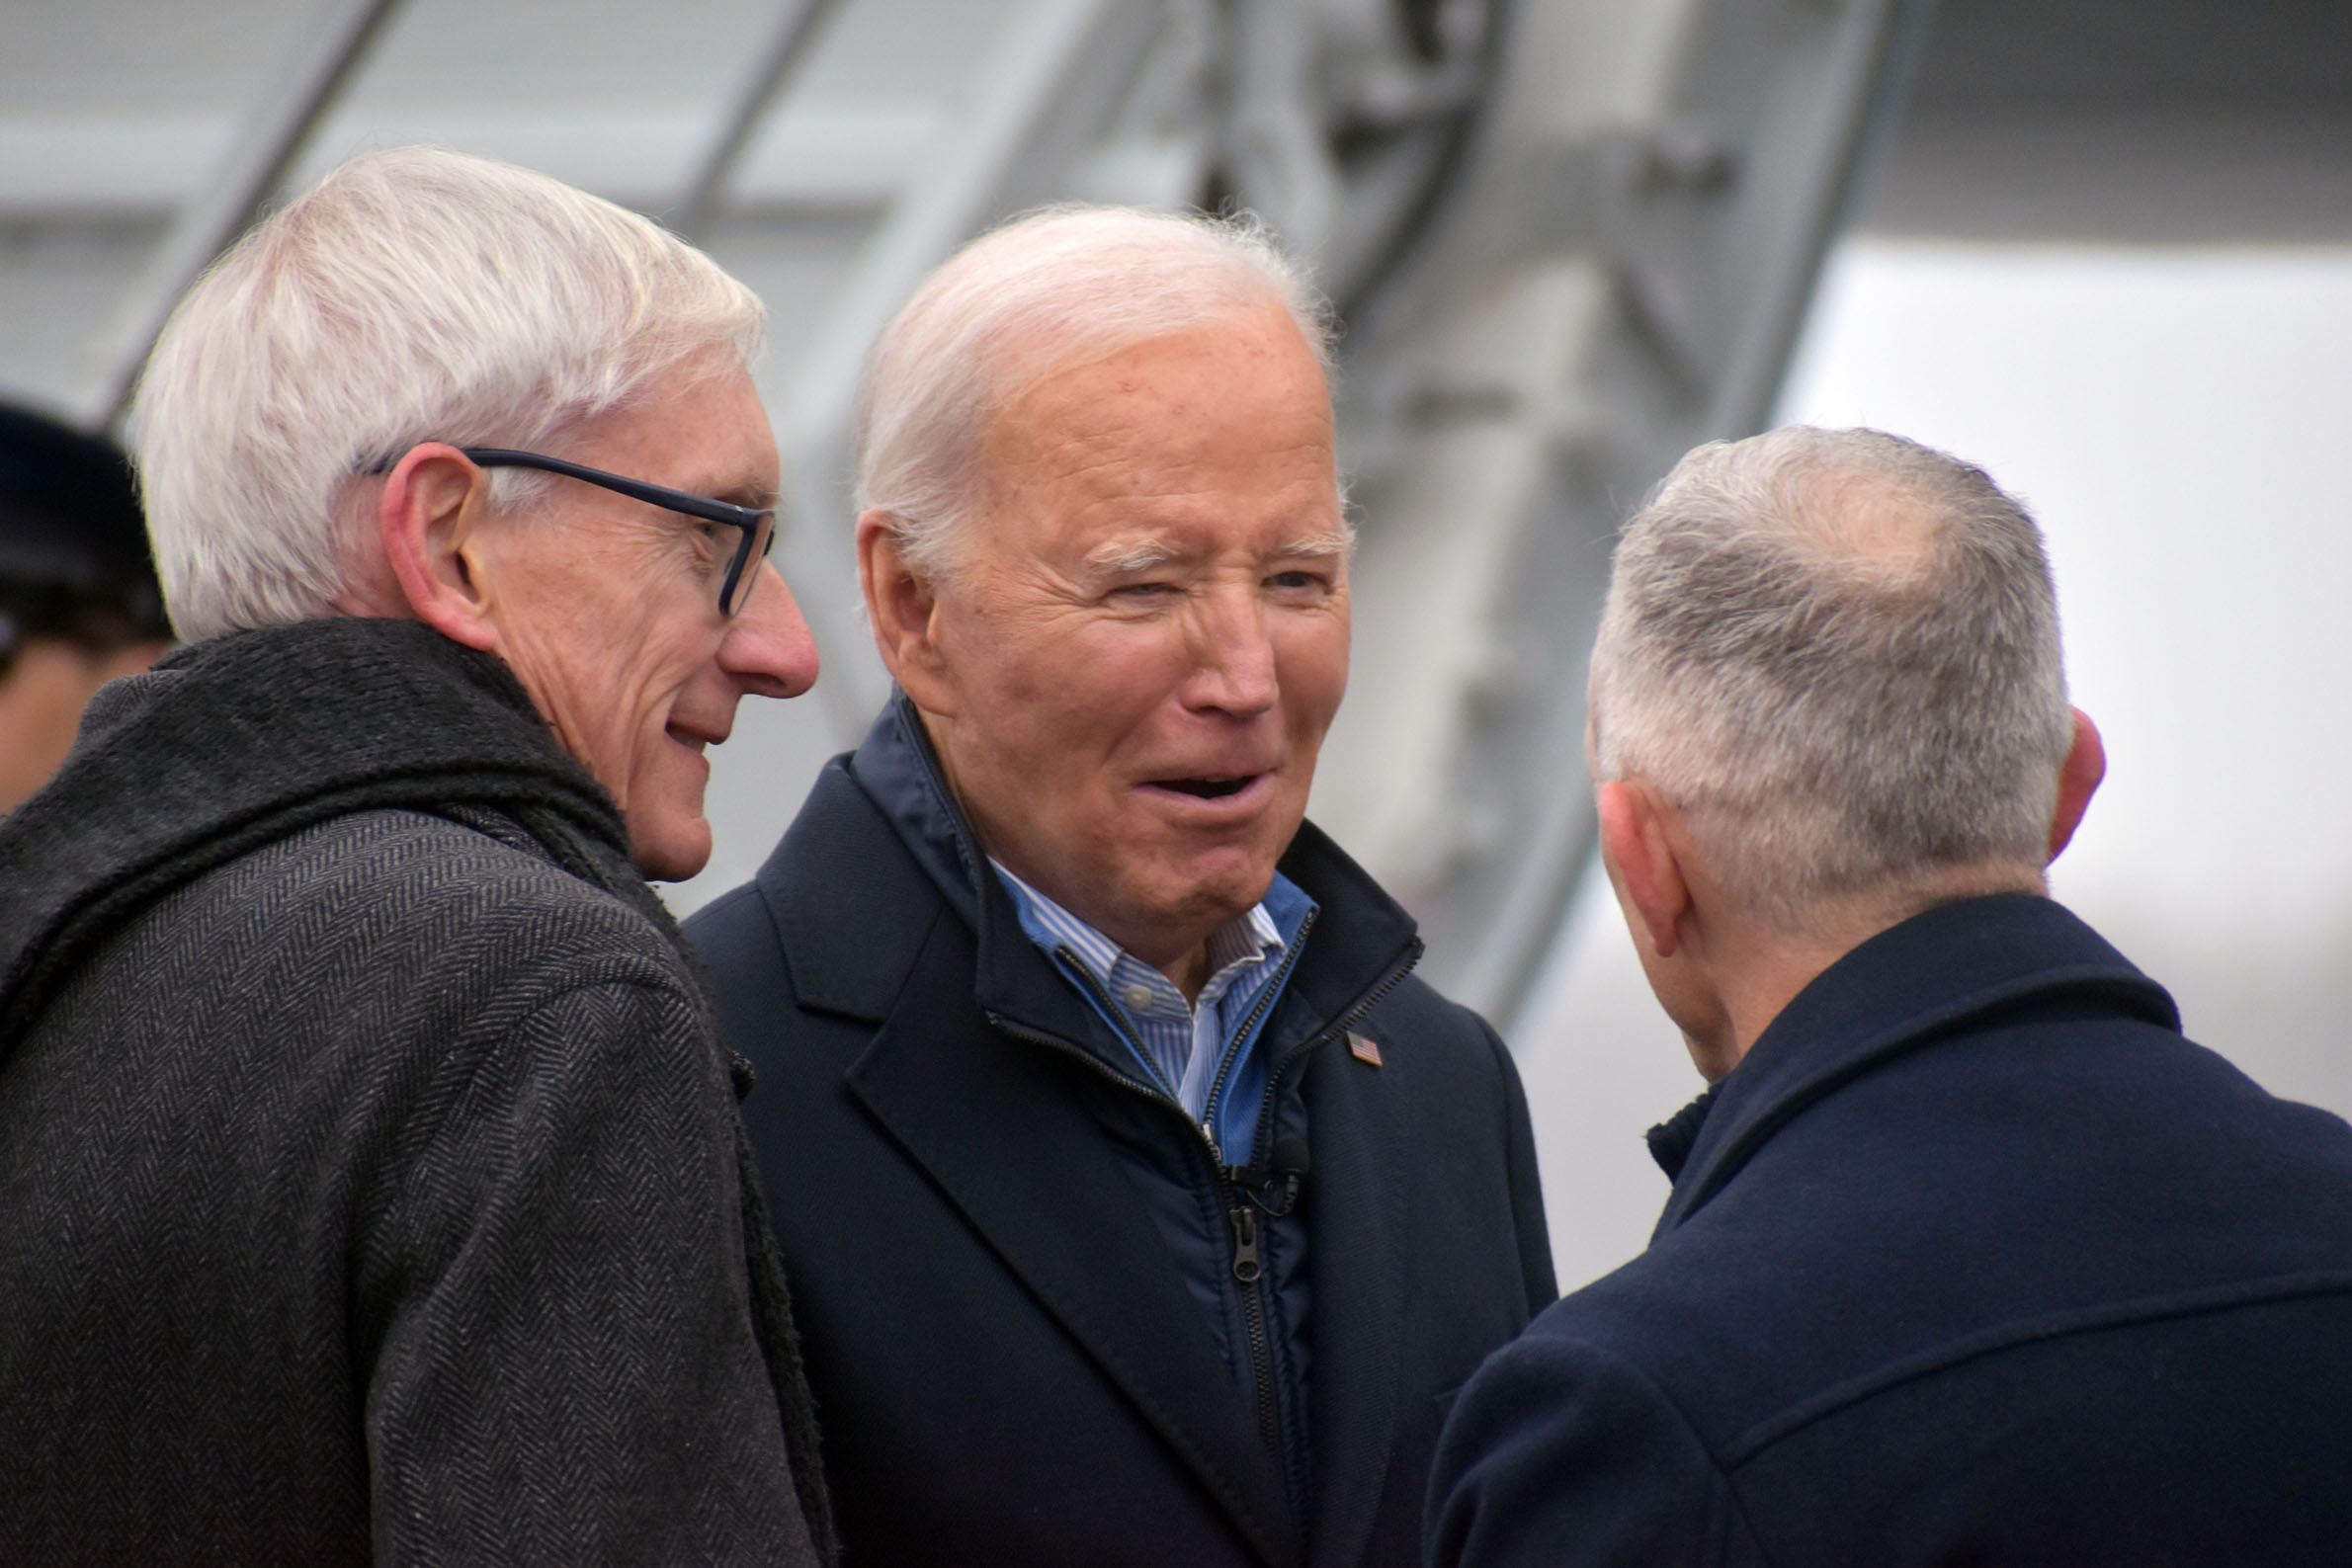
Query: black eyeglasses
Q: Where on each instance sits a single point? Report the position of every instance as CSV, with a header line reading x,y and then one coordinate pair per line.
x,y
758,524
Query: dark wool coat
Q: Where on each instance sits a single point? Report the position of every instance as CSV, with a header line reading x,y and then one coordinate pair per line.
x,y
1971,1260
368,1173
1009,1287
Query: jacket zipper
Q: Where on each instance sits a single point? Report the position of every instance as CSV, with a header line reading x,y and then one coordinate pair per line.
x,y
1249,1268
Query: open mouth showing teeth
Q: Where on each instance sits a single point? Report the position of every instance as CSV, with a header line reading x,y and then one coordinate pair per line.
x,y
1206,789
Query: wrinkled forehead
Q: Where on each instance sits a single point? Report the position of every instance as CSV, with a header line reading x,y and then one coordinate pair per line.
x,y
1012,360
1232,417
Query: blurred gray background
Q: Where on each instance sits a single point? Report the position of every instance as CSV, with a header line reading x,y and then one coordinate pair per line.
x,y
2102,247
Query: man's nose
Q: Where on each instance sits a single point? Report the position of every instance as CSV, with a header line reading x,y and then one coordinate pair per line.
x,y
768,647
1233,656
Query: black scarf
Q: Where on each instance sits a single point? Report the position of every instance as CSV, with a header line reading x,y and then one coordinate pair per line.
x,y
239,742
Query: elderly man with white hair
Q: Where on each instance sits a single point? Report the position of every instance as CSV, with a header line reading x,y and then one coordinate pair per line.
x,y
1969,1258
1161,1202
371,1180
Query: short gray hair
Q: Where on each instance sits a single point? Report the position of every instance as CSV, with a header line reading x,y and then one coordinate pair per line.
x,y
414,294
1058,285
1836,652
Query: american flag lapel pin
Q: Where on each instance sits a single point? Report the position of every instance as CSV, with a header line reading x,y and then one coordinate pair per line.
x,y
1363,1050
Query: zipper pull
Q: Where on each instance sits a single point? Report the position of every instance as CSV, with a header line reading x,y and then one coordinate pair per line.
x,y
1246,1263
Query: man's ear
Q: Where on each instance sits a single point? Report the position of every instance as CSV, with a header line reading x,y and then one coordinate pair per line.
x,y
1634,840
2078,780
902,607
428,520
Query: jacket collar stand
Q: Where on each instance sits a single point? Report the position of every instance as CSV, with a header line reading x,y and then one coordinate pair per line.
x,y
1898,991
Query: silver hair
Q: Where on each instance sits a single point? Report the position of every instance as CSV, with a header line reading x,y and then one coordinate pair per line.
x,y
1837,652
1060,285
413,294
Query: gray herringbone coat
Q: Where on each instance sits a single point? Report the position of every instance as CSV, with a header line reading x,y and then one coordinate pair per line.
x,y
369,1177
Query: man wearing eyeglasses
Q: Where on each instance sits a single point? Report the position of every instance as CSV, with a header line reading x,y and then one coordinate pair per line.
x,y
370,1182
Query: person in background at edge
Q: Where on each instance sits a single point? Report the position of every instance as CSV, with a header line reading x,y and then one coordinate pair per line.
x,y
1162,1202
371,1180
78,601
1970,1256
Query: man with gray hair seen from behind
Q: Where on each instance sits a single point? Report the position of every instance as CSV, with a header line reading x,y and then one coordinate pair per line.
x,y
371,1180
1162,1200
1969,1257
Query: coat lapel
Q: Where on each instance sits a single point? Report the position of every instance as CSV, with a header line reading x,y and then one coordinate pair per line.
x,y
996,1122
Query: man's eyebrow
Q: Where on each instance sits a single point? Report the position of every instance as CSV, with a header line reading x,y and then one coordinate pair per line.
x,y
1131,555
1121,556
751,493
1332,543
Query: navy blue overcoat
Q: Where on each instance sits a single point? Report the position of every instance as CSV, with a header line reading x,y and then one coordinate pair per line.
x,y
1972,1259
1011,1362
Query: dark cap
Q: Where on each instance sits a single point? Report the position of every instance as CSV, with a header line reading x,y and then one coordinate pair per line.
x,y
70,524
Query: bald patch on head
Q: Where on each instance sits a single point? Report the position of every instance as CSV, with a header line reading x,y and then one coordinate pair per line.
x,y
1874,526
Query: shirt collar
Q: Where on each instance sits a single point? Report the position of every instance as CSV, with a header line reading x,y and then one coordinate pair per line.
x,y
1263,932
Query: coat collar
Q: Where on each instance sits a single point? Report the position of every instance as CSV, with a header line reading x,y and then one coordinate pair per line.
x,y
1904,988
1363,939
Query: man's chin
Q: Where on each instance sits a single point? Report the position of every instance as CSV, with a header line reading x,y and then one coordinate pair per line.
x,y
671,853
1216,895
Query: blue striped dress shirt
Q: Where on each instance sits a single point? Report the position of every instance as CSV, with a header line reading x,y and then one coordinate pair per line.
x,y
1181,1044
